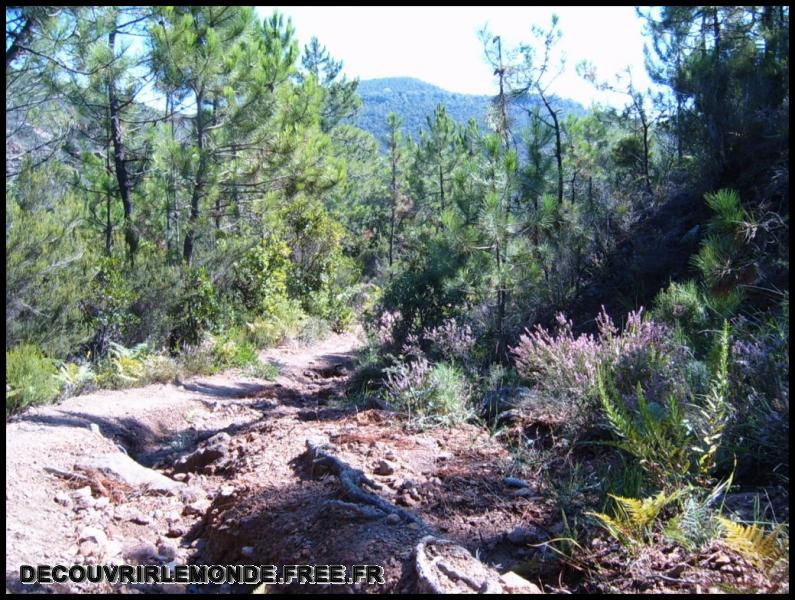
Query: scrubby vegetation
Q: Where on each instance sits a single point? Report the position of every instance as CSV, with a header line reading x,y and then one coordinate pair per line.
x,y
605,291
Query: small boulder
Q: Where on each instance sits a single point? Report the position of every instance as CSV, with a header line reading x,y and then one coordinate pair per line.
x,y
384,467
166,552
525,535
93,534
515,584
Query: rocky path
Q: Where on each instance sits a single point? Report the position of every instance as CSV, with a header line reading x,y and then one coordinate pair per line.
x,y
230,470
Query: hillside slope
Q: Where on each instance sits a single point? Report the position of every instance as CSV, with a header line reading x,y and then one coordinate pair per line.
x,y
413,100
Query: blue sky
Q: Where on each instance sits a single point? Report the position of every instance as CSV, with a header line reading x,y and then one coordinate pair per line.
x,y
440,45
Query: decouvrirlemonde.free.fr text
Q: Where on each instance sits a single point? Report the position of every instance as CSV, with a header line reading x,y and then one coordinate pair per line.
x,y
203,574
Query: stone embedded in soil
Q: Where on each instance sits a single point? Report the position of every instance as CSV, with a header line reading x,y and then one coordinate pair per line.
x,y
93,534
515,482
515,584
83,498
141,553
226,492
140,519
175,531
62,498
525,535
166,552
407,500
216,448
522,493
384,467
196,508
393,519
124,468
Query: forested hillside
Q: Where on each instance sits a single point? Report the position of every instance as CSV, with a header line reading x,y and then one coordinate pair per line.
x,y
600,294
414,100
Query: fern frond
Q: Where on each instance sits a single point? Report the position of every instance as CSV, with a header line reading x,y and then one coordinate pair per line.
x,y
763,550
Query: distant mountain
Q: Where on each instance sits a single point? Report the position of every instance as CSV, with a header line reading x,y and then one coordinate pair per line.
x,y
413,100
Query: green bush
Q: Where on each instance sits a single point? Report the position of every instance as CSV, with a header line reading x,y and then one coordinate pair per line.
x,y
160,369
284,323
429,395
198,359
674,442
196,310
125,367
263,370
314,329
31,378
682,304
76,379
259,281
107,306
233,351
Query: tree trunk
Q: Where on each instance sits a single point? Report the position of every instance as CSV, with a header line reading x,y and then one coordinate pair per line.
x,y
393,188
558,146
119,160
198,186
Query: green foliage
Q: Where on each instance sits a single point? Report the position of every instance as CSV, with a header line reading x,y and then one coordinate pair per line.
x,y
429,395
682,304
263,370
125,367
31,378
47,261
230,351
107,306
674,444
634,518
76,378
764,549
259,280
195,311
284,323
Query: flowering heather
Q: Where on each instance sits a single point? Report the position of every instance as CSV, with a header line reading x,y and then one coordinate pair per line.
x,y
385,330
452,340
562,365
559,364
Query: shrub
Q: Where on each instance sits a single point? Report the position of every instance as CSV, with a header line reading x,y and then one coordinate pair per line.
x,y
564,368
673,443
314,329
561,366
196,310
198,359
107,306
451,340
263,370
282,324
759,385
125,367
681,304
230,351
429,395
160,369
76,378
259,280
30,378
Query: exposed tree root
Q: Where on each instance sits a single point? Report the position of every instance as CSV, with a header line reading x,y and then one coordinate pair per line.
x,y
353,481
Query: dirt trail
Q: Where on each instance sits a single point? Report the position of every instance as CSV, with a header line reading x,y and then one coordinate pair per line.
x,y
217,472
